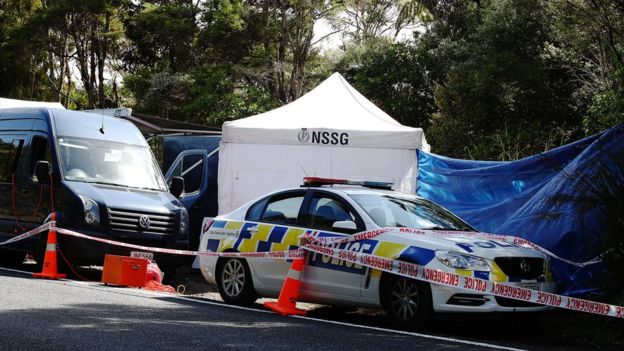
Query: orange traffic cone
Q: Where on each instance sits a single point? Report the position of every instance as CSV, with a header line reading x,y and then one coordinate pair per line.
x,y
287,302
49,261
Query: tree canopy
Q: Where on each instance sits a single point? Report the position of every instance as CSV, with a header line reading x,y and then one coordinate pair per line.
x,y
486,79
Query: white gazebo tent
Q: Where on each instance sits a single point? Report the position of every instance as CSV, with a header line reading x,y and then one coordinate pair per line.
x,y
332,131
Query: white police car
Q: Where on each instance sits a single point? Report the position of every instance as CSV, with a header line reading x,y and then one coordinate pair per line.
x,y
338,208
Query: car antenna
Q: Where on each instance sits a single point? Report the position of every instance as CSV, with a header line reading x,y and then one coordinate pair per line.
x,y
304,172
102,127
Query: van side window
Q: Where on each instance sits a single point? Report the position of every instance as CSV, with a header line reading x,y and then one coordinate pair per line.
x,y
192,170
39,151
10,151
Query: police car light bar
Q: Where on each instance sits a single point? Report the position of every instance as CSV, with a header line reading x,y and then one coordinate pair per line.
x,y
317,181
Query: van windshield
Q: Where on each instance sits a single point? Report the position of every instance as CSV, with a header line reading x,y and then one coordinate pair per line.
x,y
107,162
408,211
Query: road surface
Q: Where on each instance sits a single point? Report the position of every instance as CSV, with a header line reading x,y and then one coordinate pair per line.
x,y
70,315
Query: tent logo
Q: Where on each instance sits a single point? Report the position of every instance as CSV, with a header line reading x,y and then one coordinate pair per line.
x,y
304,135
325,138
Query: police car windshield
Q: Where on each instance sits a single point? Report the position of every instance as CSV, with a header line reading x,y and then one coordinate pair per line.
x,y
110,163
408,211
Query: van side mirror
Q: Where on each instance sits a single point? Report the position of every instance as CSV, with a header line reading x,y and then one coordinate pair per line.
x,y
177,186
344,227
42,172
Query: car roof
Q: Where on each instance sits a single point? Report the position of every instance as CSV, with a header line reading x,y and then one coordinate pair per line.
x,y
357,190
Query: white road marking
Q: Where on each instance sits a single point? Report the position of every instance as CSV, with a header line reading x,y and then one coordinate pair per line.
x,y
16,270
221,304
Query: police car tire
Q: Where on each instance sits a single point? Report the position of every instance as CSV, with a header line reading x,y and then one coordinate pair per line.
x,y
421,314
245,293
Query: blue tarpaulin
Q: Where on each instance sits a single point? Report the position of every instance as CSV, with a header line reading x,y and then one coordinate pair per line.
x,y
554,199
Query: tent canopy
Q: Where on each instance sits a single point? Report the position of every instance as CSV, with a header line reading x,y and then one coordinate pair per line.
x,y
332,107
332,131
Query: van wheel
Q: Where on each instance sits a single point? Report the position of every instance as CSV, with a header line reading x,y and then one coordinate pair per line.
x,y
234,282
11,257
407,301
170,273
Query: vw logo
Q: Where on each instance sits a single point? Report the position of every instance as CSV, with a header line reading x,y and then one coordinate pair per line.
x,y
144,222
524,266
304,135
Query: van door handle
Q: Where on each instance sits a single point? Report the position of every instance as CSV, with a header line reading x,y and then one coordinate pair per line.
x,y
24,191
253,230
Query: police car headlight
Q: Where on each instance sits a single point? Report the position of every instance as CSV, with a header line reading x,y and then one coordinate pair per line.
x,y
184,221
91,210
460,261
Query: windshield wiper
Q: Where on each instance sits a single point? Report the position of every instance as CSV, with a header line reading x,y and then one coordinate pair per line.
x,y
102,183
145,188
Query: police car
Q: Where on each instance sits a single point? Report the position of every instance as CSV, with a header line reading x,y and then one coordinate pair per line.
x,y
338,208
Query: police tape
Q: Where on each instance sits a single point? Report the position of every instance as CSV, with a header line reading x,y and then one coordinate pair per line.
x,y
28,234
436,276
314,236
401,268
285,255
501,237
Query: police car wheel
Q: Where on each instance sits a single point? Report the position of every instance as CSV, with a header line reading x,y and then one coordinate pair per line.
x,y
234,282
407,302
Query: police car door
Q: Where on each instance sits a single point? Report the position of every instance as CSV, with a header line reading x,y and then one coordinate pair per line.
x,y
272,223
327,278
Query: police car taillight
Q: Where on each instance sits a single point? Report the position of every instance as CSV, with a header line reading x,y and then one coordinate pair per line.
x,y
207,225
317,181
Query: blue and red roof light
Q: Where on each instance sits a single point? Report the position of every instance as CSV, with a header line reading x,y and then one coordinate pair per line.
x,y
317,181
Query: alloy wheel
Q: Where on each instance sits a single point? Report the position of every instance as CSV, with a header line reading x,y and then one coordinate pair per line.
x,y
233,278
404,299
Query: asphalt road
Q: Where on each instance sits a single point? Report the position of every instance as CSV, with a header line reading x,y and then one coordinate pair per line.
x,y
69,315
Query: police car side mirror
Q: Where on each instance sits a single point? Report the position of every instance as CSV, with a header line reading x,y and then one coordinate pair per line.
x,y
177,187
42,172
344,227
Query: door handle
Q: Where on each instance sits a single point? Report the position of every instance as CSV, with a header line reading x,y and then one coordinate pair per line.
x,y
253,230
24,191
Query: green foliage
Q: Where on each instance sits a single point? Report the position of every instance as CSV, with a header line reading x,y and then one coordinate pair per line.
x,y
48,47
499,77
514,142
393,76
162,36
607,108
488,79
216,98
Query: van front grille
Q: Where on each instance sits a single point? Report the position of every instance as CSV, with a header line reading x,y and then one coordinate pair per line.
x,y
130,221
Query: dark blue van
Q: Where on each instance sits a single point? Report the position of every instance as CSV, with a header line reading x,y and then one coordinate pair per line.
x,y
195,158
102,177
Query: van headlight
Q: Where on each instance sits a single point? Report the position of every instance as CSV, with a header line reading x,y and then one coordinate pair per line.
x,y
91,210
184,221
461,261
